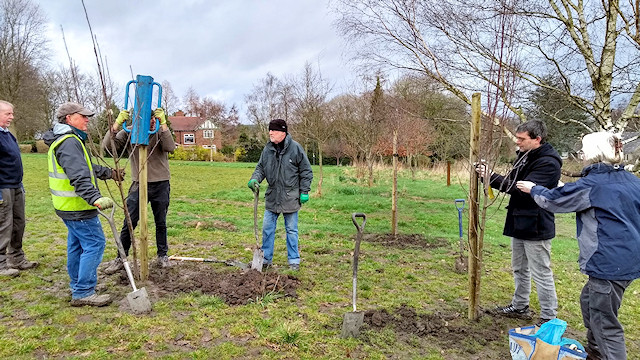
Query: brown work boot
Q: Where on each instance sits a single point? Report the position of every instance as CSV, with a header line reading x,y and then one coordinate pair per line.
x,y
164,262
24,264
92,300
113,266
9,272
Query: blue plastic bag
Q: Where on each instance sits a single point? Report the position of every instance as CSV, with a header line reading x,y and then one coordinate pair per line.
x,y
551,332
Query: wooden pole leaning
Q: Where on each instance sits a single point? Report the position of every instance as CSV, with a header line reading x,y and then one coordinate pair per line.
x,y
142,205
475,246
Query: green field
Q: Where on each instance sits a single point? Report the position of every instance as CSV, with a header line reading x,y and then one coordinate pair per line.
x,y
36,320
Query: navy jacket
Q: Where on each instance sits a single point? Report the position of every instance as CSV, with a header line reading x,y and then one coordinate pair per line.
x,y
607,203
10,162
525,219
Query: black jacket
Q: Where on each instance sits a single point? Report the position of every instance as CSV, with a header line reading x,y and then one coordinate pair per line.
x,y
525,219
288,174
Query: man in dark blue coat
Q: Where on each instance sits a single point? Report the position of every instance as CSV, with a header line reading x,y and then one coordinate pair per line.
x,y
607,204
12,218
530,227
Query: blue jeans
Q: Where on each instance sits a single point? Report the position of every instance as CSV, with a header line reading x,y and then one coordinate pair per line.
x,y
85,246
269,235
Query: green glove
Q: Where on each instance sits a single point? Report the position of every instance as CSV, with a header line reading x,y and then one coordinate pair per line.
x,y
304,198
159,114
104,203
122,117
253,185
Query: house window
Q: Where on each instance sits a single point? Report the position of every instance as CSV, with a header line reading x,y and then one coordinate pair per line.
x,y
189,139
207,134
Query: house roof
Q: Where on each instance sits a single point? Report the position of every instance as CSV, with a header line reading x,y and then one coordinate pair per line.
x,y
185,123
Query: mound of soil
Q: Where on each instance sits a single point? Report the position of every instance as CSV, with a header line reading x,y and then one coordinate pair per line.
x,y
236,287
403,241
449,330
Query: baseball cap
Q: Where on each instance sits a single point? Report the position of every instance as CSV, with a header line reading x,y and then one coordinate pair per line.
x,y
69,108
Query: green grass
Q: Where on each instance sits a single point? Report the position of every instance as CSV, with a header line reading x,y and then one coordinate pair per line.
x,y
36,320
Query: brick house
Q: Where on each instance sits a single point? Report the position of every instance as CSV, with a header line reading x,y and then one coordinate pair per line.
x,y
195,131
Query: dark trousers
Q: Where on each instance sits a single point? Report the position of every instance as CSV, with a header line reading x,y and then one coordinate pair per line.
x,y
158,196
600,300
12,222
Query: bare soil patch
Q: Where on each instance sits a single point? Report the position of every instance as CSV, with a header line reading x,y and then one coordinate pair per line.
x,y
450,330
404,241
234,286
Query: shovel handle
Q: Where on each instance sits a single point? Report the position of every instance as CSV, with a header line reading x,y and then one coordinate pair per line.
x,y
116,238
256,196
356,252
114,230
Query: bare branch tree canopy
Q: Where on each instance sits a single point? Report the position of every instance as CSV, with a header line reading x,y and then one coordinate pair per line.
x,y
593,46
268,100
22,49
170,101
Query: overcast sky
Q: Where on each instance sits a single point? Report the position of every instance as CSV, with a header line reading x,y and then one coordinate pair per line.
x,y
220,48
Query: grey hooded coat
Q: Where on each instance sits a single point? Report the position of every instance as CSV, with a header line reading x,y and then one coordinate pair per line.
x,y
288,174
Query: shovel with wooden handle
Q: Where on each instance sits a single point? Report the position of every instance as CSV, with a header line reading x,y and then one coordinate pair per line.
x,y
258,254
138,299
352,321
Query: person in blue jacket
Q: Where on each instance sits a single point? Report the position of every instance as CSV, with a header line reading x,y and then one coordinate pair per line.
x,y
607,204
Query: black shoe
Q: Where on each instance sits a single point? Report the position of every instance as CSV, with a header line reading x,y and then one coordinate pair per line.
x,y
542,321
512,312
593,352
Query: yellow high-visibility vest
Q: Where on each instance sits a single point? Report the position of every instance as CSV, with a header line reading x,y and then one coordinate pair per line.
x,y
63,193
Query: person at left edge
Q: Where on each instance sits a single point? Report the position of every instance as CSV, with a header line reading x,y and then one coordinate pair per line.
x,y
76,198
12,218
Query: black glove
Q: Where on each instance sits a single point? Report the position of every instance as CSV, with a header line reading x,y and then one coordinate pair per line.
x,y
117,174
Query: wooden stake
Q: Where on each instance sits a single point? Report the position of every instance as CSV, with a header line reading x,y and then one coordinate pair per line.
x,y
394,192
475,247
142,205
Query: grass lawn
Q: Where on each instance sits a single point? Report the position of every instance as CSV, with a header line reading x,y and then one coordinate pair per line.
x,y
211,215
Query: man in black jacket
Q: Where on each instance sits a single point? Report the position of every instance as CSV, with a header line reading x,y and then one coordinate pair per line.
x,y
530,227
287,169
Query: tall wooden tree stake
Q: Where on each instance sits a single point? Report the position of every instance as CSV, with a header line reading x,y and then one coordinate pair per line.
x,y
143,196
394,192
475,244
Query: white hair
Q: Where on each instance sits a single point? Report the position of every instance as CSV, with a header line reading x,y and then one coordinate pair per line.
x,y
602,146
6,103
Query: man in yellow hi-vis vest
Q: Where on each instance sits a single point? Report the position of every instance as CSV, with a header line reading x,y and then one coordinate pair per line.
x,y
76,198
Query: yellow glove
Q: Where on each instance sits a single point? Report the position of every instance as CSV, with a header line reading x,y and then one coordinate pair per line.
x,y
159,114
104,203
122,117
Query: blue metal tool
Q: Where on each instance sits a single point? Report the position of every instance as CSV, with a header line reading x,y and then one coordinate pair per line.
x,y
141,119
460,207
461,263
